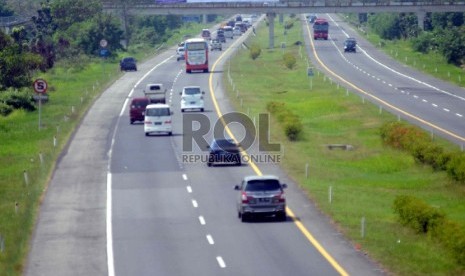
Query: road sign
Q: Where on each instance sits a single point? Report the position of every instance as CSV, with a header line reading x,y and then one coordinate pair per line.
x,y
40,86
310,71
103,43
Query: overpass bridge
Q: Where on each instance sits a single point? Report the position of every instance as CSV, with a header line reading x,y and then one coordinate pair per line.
x,y
273,7
7,23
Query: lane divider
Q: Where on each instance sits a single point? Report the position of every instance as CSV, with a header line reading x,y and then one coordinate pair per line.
x,y
255,168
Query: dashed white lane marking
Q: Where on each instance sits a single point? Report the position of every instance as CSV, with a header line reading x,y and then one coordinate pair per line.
x,y
184,176
202,220
210,239
435,105
221,262
446,110
423,100
458,114
194,203
415,96
189,189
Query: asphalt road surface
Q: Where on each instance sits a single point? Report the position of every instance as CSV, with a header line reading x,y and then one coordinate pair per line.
x,y
121,203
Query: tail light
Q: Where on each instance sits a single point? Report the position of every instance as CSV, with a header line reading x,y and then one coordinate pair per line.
x,y
281,197
168,122
244,197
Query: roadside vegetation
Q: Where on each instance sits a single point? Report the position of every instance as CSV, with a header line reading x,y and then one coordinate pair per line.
x,y
76,76
371,182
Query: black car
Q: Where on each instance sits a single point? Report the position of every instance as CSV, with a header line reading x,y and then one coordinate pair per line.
x,y
128,64
350,45
224,151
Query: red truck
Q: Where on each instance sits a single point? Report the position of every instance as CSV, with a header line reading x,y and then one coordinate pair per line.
x,y
320,29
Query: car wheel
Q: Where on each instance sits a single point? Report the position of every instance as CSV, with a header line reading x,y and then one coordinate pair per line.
x,y
239,215
244,217
170,133
281,216
131,122
209,164
201,110
146,134
182,110
188,71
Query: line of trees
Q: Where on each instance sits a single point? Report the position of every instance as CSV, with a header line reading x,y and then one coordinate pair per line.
x,y
69,31
443,32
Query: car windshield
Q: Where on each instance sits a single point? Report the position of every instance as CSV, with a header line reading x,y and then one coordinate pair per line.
x,y
128,60
262,185
224,144
192,91
140,104
157,112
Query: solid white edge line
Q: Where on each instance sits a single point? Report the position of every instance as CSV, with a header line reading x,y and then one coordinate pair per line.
x,y
110,257
221,262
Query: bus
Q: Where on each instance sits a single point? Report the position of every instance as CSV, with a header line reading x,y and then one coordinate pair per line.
x,y
196,55
320,29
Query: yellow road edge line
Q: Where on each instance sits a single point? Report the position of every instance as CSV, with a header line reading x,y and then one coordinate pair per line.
x,y
376,98
252,164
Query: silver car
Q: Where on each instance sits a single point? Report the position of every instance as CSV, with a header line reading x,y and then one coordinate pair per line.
x,y
261,195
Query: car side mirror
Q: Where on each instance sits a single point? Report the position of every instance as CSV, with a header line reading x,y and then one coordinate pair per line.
x,y
171,113
203,92
237,188
180,93
284,186
208,147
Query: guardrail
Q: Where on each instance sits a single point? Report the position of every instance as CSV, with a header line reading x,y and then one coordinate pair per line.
x,y
8,21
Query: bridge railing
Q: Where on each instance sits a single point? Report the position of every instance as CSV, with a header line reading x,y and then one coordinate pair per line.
x,y
6,21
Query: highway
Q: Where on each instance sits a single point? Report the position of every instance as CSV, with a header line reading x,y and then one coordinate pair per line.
x,y
121,203
436,105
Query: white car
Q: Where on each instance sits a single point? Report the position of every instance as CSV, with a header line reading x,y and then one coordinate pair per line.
x,y
180,54
237,31
157,119
192,98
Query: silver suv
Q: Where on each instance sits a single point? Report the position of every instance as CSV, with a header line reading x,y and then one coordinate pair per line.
x,y
261,195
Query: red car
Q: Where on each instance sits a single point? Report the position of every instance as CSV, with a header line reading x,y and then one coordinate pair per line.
x,y
137,109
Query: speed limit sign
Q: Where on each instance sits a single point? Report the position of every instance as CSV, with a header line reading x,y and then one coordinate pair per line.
x,y
40,86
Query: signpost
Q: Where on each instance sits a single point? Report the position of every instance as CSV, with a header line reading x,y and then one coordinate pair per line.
x,y
310,76
40,87
104,52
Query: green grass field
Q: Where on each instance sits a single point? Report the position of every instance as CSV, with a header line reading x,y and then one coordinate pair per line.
x,y
365,180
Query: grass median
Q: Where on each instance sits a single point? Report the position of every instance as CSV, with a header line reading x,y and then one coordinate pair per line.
x,y
363,181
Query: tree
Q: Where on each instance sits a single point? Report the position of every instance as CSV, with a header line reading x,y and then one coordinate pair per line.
x,y
42,41
16,65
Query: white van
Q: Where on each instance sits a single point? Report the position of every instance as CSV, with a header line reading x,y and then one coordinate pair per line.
x,y
157,119
155,92
192,98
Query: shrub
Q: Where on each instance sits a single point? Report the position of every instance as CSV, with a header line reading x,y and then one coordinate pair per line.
x,y
289,60
292,124
425,219
402,136
255,51
18,100
5,109
418,215
288,24
292,129
456,167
